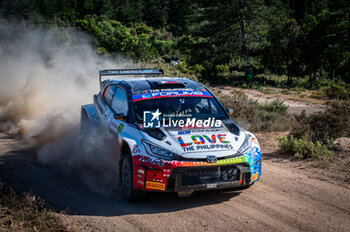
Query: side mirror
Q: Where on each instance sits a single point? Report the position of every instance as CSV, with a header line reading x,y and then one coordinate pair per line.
x,y
229,110
120,116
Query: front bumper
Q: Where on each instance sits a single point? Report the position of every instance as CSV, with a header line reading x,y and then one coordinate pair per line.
x,y
203,178
152,174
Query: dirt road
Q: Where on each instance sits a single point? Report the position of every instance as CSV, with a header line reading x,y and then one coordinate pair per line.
x,y
294,107
290,197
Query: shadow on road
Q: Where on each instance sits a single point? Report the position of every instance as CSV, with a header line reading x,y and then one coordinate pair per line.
x,y
20,170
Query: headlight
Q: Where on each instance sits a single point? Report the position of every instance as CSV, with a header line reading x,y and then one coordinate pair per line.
x,y
247,144
155,150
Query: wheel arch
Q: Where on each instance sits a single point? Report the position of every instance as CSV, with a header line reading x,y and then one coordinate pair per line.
x,y
90,111
125,150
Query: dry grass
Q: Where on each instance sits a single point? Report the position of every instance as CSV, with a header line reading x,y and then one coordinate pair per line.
x,y
302,95
25,213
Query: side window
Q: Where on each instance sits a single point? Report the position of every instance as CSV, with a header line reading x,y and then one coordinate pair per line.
x,y
109,93
119,103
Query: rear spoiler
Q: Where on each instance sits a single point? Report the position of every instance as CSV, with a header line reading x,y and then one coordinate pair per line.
x,y
129,72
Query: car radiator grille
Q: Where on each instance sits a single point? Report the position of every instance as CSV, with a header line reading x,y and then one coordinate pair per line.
x,y
210,175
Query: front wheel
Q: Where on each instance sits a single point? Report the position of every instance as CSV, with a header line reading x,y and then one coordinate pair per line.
x,y
127,179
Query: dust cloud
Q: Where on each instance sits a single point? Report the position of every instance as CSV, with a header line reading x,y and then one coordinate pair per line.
x,y
46,74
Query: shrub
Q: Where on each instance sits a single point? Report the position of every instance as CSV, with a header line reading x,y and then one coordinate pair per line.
x,y
335,91
258,117
298,89
326,126
286,92
222,69
303,149
276,105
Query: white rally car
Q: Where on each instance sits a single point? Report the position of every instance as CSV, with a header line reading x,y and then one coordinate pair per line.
x,y
173,134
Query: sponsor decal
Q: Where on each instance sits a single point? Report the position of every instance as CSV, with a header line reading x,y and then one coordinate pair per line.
x,y
120,129
184,132
235,160
167,90
210,140
255,141
182,143
198,131
255,176
194,138
171,93
221,137
140,182
149,160
200,142
168,165
136,149
155,185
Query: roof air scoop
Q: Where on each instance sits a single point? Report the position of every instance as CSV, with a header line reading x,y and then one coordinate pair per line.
x,y
171,86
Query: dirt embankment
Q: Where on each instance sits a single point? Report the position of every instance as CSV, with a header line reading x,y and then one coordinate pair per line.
x,y
291,196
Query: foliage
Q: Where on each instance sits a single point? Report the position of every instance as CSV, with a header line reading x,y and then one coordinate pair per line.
x,y
335,91
276,106
303,148
257,117
239,42
326,126
138,41
312,136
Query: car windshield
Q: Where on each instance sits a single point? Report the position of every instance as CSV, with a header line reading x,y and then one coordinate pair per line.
x,y
181,107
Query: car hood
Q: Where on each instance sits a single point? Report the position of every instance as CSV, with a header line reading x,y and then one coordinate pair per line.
x,y
199,143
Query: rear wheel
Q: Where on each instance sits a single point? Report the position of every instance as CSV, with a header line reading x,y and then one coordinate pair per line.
x,y
127,179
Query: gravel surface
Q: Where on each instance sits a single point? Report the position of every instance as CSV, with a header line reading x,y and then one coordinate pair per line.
x,y
291,196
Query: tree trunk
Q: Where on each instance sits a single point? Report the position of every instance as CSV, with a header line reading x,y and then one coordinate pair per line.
x,y
290,76
244,50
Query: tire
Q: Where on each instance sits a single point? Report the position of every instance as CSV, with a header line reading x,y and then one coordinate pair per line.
x,y
127,180
245,187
